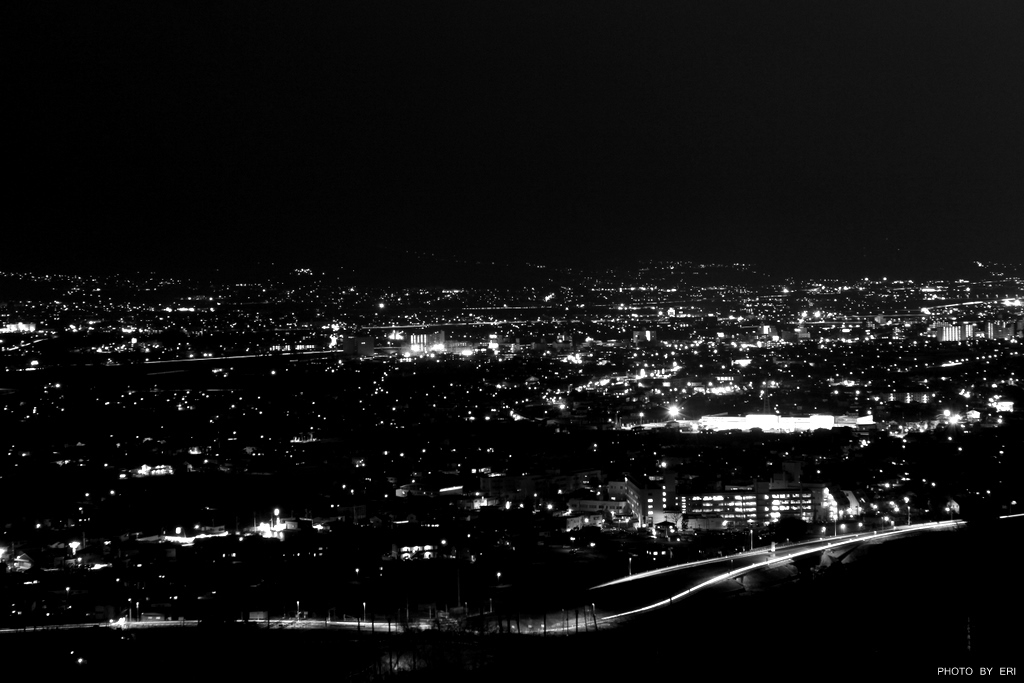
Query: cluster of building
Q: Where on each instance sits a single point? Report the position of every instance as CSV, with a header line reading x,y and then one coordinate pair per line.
x,y
668,500
1006,329
400,410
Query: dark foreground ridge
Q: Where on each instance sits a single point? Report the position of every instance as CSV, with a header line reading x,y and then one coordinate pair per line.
x,y
891,610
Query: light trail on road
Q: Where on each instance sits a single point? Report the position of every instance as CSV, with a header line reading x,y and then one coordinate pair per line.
x,y
698,563
779,560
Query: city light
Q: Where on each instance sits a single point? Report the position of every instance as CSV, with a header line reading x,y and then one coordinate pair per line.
x,y
642,414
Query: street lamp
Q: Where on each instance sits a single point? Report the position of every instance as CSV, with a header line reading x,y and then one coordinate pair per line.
x,y
630,565
751,540
907,501
364,611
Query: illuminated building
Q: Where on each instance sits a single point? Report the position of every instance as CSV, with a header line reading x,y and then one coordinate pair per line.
x,y
600,510
765,501
768,423
644,336
652,498
737,506
954,333
411,550
1000,330
426,342
761,503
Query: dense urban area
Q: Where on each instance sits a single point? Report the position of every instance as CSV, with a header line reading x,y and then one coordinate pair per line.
x,y
308,449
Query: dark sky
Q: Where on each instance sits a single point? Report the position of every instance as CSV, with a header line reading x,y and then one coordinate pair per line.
x,y
824,136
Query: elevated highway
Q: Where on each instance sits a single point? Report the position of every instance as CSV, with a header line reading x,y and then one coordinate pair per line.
x,y
634,595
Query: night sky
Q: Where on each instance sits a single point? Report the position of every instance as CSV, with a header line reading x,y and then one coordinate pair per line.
x,y
834,137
